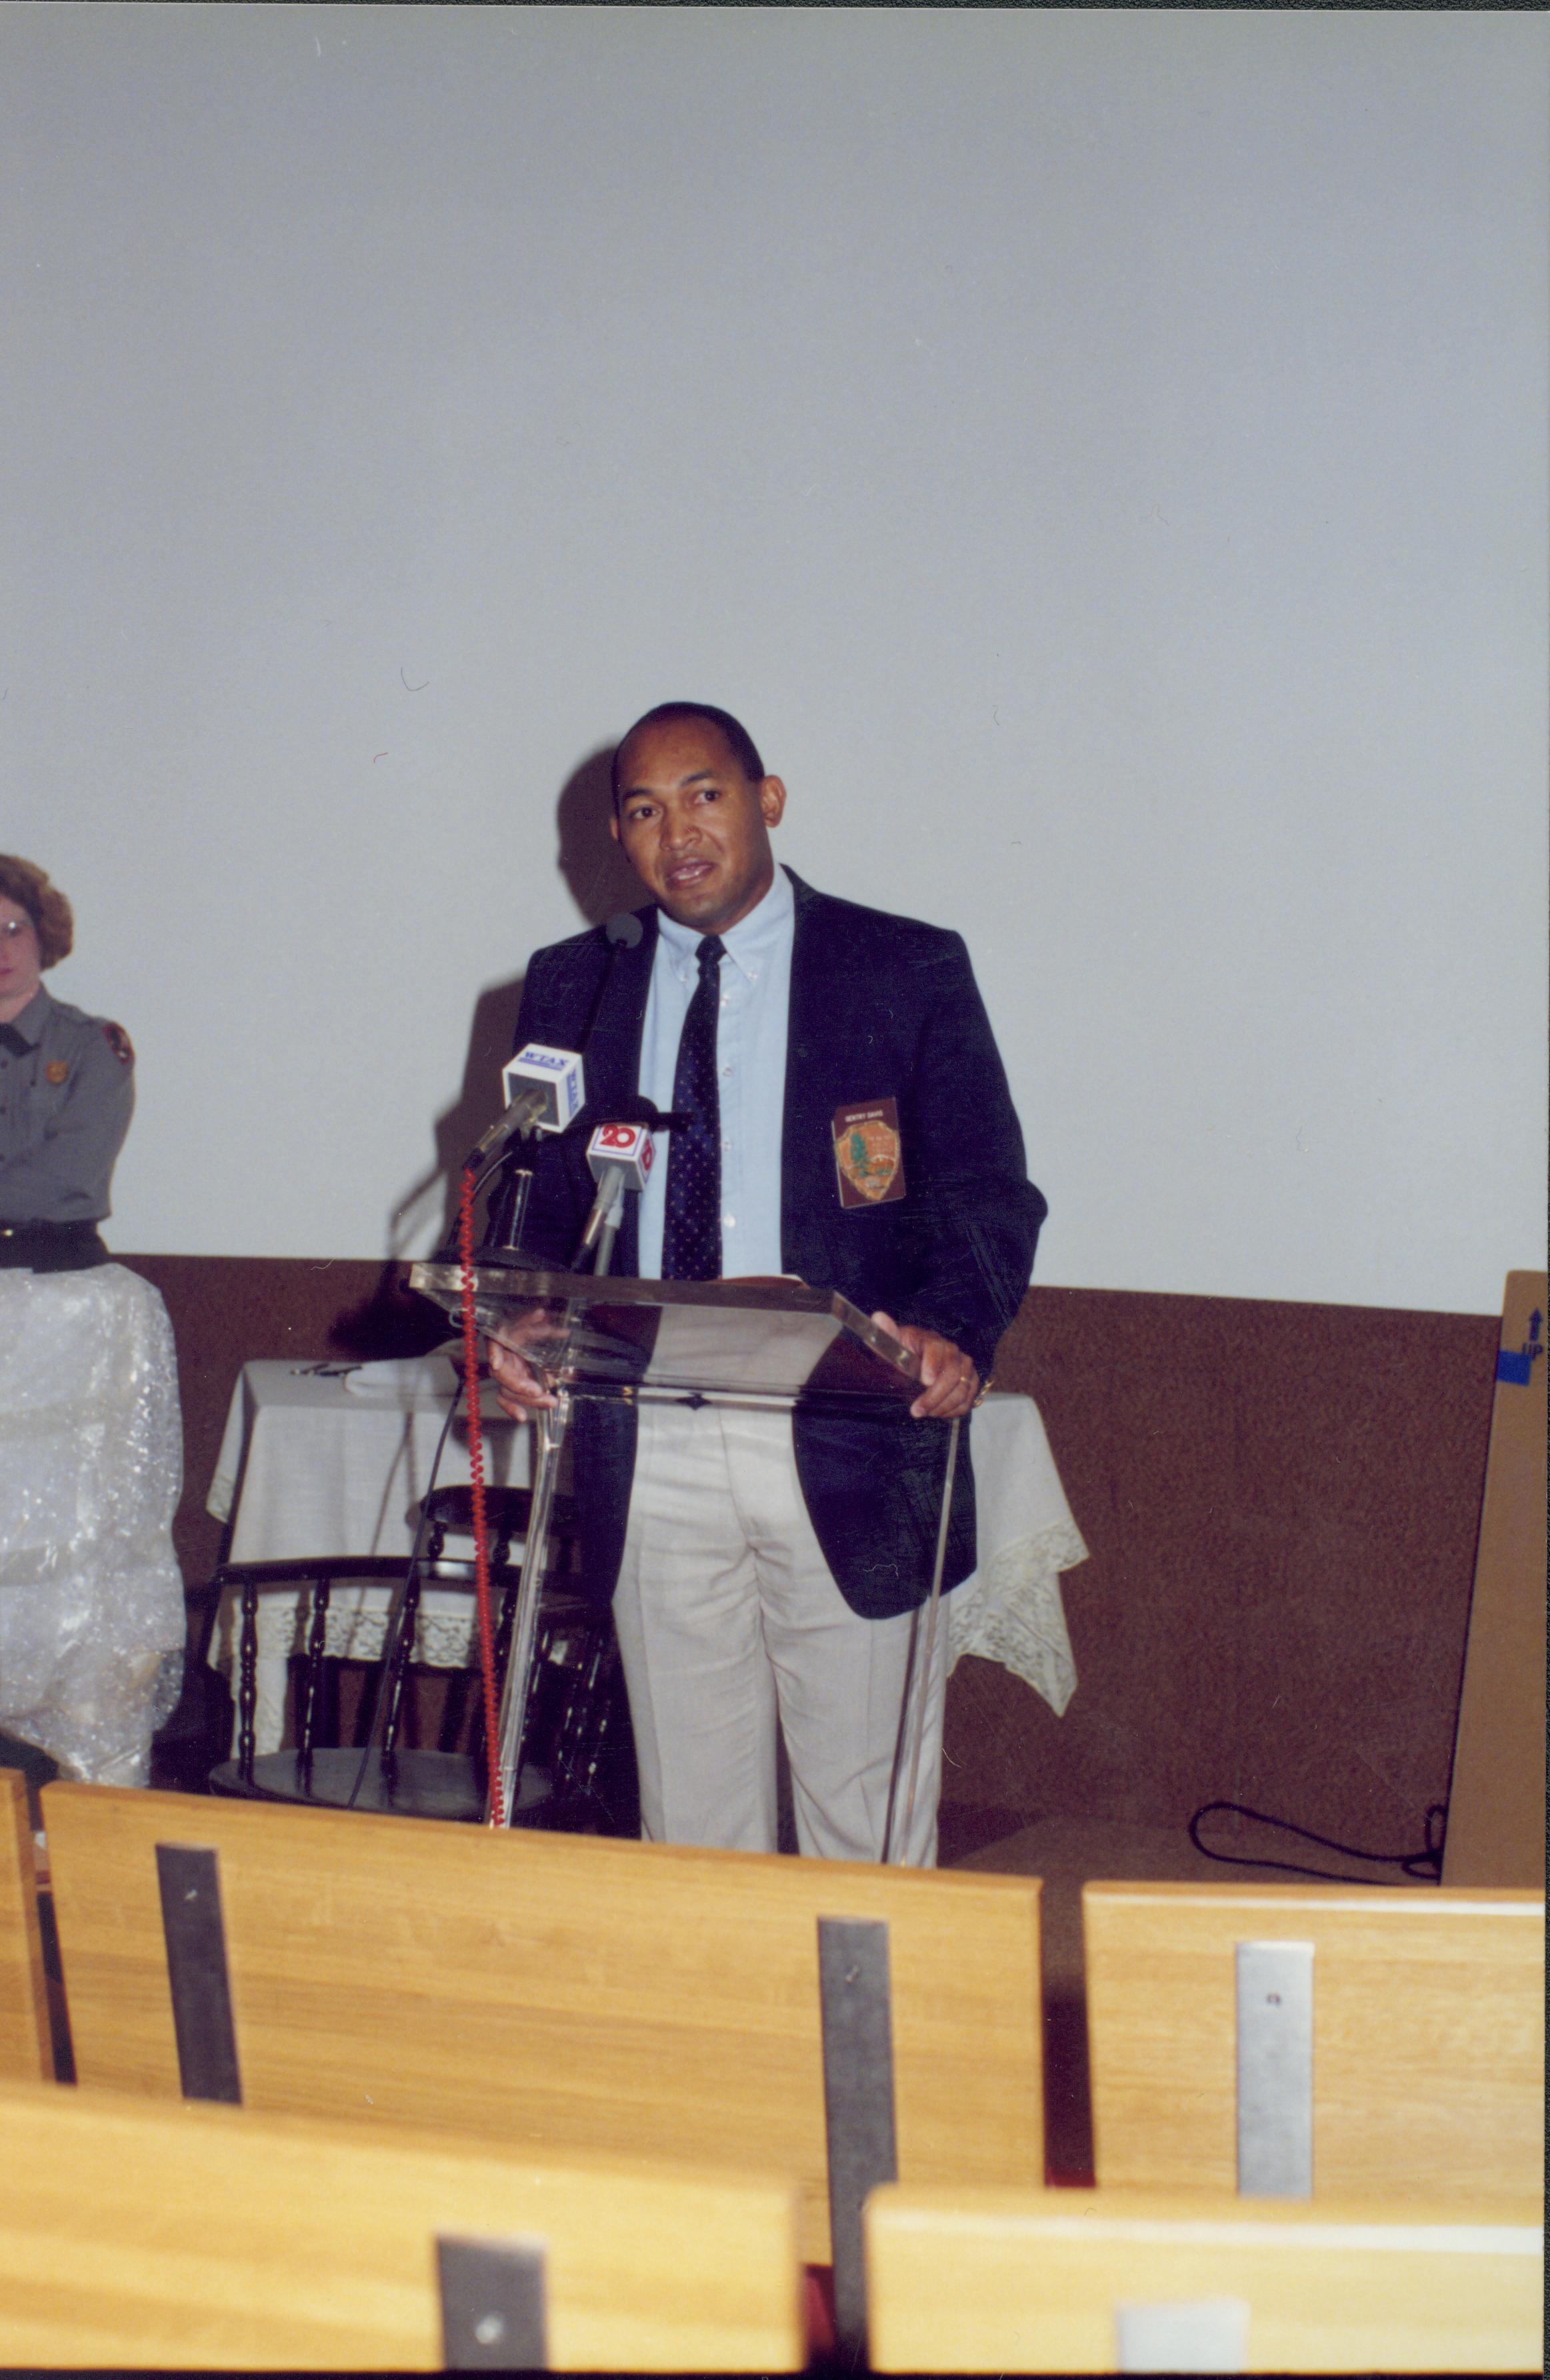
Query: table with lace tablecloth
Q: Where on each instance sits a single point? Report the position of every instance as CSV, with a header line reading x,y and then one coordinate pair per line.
x,y
321,1461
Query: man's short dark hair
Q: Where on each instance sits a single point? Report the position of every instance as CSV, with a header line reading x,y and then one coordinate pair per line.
x,y
743,747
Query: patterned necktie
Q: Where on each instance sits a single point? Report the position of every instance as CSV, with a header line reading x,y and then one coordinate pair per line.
x,y
692,1231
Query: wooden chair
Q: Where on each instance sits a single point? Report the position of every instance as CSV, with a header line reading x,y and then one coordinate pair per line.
x,y
1426,2036
136,2234
573,1706
573,1991
26,2050
1127,2281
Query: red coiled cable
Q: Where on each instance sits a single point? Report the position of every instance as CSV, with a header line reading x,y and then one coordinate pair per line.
x,y
480,1524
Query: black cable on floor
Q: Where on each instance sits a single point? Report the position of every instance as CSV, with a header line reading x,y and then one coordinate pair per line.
x,y
1424,1867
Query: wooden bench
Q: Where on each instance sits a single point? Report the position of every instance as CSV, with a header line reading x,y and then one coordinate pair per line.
x,y
26,2049
566,1990
139,2234
1067,2280
1427,2036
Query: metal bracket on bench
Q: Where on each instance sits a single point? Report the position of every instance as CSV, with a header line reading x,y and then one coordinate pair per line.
x,y
1274,2069
1195,2335
196,1948
493,2316
858,2100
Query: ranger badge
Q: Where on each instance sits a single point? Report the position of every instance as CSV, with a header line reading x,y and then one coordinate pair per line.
x,y
56,1071
869,1154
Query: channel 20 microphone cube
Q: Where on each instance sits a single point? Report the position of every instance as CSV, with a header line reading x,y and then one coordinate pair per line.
x,y
626,1148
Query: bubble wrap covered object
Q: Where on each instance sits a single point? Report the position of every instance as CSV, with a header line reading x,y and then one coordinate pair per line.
x,y
92,1617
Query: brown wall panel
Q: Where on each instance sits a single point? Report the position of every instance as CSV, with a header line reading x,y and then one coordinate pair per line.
x,y
1281,1504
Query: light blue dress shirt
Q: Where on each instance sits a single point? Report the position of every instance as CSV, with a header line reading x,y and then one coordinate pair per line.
x,y
750,1076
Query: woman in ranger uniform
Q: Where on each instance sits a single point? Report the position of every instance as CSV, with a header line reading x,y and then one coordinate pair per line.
x,y
67,1090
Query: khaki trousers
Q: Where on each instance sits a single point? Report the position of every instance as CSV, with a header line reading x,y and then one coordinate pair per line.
x,y
730,1626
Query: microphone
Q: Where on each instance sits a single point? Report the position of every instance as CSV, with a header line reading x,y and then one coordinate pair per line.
x,y
544,1092
620,1156
622,932
637,1110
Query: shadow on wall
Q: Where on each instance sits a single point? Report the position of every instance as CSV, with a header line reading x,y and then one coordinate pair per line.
x,y
600,882
601,878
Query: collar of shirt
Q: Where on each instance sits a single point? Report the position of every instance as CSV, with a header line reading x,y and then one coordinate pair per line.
x,y
34,1017
749,944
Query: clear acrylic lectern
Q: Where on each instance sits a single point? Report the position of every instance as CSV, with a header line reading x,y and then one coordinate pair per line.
x,y
771,1343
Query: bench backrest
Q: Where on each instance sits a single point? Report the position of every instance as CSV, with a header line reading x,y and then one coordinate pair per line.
x,y
556,1989
25,2051
1115,2280
141,2233
1428,2032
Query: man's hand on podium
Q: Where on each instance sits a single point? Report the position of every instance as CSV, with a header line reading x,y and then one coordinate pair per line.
x,y
518,1390
949,1382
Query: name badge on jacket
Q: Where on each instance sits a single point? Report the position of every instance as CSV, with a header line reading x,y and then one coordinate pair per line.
x,y
869,1153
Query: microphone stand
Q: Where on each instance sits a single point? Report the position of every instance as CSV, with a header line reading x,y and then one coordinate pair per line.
x,y
613,1182
609,1234
508,1208
602,1223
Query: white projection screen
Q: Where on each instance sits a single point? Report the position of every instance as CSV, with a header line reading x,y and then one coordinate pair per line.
x,y
1101,455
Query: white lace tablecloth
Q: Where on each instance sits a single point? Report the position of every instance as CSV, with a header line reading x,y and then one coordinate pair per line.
x,y
91,1615
319,1461
1009,1610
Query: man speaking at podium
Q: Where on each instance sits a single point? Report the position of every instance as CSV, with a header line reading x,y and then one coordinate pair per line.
x,y
849,1123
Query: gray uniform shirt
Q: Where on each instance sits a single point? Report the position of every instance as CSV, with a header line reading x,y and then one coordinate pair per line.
x,y
66,1100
